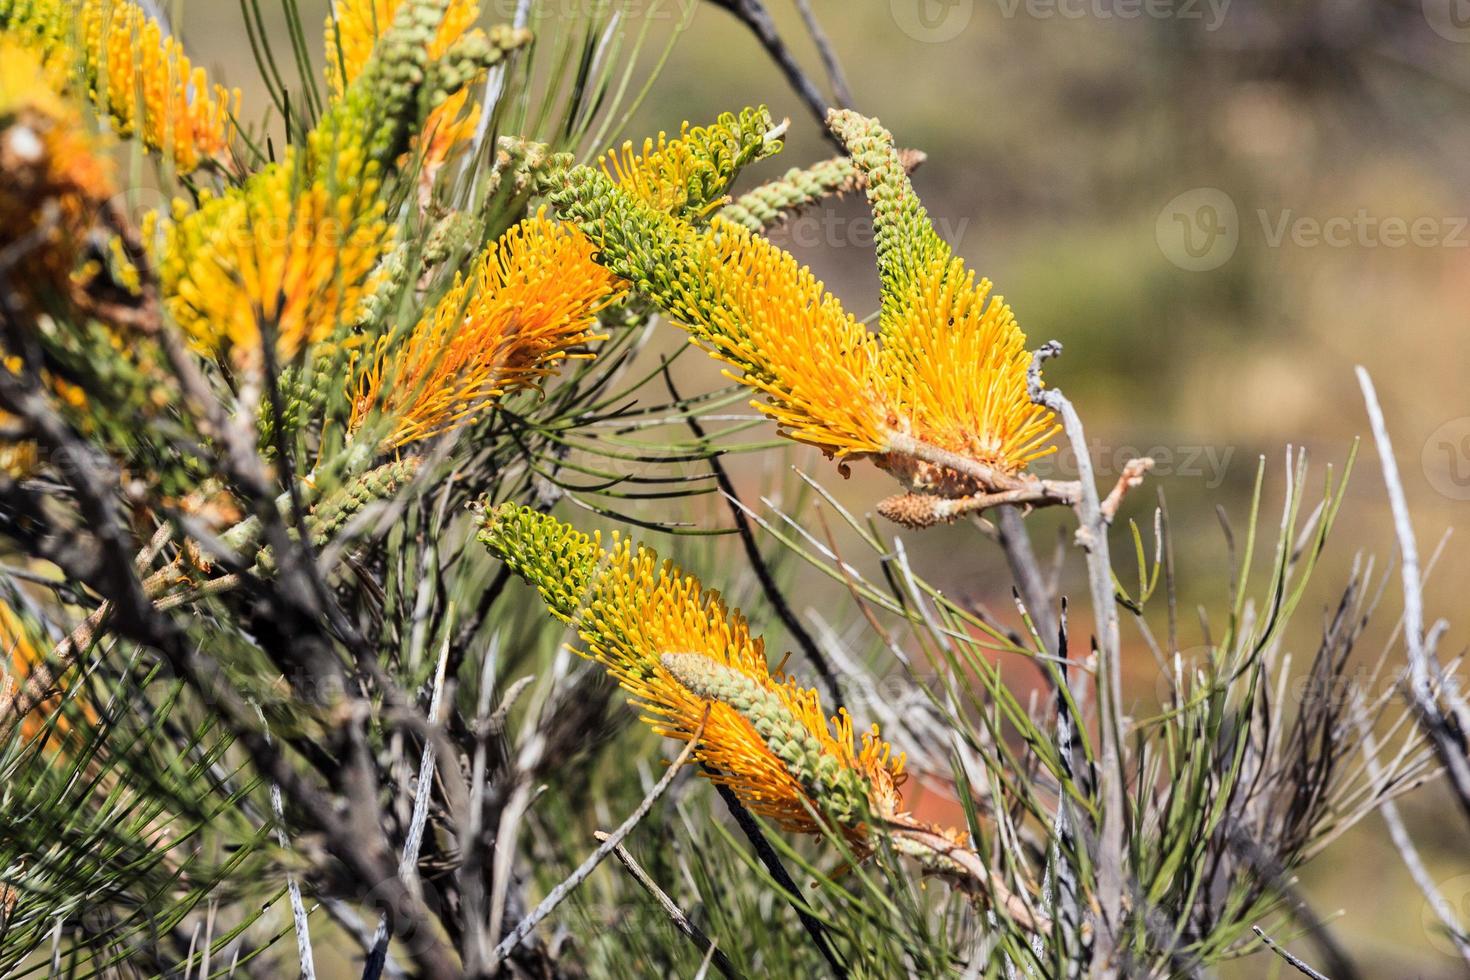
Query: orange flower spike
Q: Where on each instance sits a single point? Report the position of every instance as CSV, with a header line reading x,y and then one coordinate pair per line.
x,y
945,377
749,304
150,88
287,248
954,363
677,650
530,301
353,31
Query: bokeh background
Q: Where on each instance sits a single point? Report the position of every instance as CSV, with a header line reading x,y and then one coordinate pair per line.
x,y
1220,207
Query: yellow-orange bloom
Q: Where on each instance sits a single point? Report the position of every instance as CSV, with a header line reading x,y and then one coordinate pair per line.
x,y
679,652
149,87
17,458
354,27
765,313
945,378
952,375
290,249
353,30
530,300
689,175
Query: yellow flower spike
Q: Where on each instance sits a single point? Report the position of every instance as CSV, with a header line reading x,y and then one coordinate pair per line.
x,y
749,304
954,359
766,314
150,88
953,372
938,397
677,650
689,175
287,248
531,298
353,30
354,26
141,79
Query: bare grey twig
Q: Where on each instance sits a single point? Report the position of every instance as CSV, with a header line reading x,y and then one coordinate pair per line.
x,y
1295,962
1409,854
838,79
1038,598
676,915
299,921
1092,535
408,865
754,15
1447,740
558,894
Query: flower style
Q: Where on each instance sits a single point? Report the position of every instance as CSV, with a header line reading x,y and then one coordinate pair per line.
x,y
678,651
945,378
530,301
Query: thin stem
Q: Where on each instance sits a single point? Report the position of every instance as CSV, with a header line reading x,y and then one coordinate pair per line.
x,y
558,894
676,915
1422,666
782,878
1092,535
1293,961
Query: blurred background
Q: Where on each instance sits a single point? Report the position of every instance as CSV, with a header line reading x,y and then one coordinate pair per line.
x,y
1220,207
